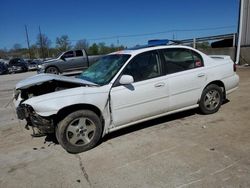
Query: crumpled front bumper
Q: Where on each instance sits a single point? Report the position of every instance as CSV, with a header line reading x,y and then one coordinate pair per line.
x,y
44,124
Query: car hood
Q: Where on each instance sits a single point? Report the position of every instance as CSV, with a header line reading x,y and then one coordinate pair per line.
x,y
41,78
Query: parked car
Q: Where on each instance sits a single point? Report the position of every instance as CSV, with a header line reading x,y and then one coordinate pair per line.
x,y
17,65
33,65
122,89
3,68
72,60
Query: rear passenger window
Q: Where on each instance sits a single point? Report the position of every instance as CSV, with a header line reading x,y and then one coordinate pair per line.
x,y
177,60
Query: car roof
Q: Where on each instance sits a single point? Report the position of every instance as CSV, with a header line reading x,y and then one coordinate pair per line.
x,y
141,49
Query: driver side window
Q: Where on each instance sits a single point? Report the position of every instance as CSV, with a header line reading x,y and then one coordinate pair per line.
x,y
69,54
144,66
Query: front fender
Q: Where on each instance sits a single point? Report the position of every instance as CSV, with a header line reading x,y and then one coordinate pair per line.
x,y
50,104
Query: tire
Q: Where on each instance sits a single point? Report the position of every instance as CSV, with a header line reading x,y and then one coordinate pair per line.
x,y
57,133
211,99
79,131
52,70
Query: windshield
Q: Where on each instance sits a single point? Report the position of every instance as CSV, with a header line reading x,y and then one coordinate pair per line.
x,y
104,69
58,55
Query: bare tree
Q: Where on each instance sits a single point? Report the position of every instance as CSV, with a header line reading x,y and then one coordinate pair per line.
x,y
34,51
17,47
44,43
82,44
63,43
3,53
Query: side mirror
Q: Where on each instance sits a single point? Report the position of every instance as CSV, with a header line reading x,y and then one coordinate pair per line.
x,y
126,80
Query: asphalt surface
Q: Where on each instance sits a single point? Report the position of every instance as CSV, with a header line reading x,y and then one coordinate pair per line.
x,y
181,150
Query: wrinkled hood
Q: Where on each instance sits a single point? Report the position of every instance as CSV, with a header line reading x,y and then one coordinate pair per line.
x,y
41,78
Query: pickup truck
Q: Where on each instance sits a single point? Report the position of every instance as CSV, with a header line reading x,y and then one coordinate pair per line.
x,y
122,89
73,60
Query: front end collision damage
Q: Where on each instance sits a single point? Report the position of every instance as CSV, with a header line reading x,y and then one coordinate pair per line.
x,y
43,124
40,104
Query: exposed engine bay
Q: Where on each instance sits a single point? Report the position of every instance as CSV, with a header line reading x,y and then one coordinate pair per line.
x,y
44,88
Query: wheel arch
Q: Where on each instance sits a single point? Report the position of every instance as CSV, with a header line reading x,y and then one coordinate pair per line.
x,y
69,109
220,84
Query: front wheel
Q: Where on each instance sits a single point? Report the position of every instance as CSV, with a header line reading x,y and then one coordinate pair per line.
x,y
79,131
211,99
52,70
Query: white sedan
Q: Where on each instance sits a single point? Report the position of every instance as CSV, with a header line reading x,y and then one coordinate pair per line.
x,y
122,89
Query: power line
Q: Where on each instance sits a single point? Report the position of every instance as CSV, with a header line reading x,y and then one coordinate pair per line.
x,y
118,37
159,32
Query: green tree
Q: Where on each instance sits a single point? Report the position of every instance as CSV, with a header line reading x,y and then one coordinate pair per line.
x,y
93,50
203,45
103,49
63,43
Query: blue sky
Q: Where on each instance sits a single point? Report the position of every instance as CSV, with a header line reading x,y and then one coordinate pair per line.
x,y
91,20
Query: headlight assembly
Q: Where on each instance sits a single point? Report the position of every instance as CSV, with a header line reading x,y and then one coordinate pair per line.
x,y
40,66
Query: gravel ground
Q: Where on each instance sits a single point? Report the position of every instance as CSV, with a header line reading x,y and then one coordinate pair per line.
x,y
181,150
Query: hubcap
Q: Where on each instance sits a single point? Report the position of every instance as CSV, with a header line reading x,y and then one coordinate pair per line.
x,y
212,100
80,131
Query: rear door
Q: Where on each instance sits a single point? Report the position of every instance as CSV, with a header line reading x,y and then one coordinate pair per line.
x,y
146,97
186,76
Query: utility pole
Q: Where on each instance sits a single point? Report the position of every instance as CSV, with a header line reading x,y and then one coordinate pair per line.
x,y
41,42
27,38
240,23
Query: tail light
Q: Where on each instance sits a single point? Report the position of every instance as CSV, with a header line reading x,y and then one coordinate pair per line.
x,y
234,67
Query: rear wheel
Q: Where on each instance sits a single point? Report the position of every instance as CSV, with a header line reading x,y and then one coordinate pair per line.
x,y
211,99
79,131
52,70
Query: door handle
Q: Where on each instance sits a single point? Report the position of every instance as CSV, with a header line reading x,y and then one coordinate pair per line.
x,y
160,84
201,75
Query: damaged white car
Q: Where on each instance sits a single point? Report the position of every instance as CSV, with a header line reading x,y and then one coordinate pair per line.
x,y
124,88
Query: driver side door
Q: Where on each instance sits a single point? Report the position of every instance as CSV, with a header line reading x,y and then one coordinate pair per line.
x,y
146,97
67,62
